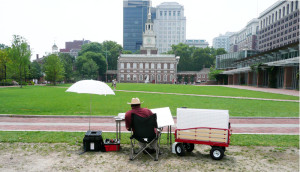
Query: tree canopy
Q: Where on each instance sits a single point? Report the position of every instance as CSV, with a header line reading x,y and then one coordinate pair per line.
x,y
194,58
54,69
20,57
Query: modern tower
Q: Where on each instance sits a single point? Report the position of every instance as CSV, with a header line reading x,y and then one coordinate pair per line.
x,y
134,19
222,41
169,25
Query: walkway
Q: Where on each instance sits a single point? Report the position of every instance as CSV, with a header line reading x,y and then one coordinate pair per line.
x,y
268,90
289,126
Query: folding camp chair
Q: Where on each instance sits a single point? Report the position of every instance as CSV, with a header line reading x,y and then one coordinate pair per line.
x,y
143,130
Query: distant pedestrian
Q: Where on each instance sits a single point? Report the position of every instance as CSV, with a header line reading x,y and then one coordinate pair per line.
x,y
114,84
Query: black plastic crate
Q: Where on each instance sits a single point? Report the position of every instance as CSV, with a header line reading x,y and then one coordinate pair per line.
x,y
93,141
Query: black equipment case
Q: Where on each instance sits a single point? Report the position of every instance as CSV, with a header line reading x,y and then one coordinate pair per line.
x,y
93,141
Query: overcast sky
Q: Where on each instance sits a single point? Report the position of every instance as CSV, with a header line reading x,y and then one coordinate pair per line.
x,y
43,22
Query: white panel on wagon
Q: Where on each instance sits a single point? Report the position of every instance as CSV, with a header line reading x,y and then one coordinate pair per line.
x,y
193,118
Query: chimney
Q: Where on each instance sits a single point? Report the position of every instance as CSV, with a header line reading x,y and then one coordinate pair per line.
x,y
37,56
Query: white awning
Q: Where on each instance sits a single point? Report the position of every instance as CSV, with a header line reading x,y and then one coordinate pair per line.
x,y
284,62
239,70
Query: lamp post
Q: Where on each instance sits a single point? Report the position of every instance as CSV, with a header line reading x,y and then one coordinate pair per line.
x,y
106,62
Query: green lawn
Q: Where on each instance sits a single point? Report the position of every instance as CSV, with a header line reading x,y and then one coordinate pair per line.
x,y
203,90
75,138
40,100
200,90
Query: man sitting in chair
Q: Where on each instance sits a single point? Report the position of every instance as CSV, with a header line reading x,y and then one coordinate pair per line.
x,y
142,112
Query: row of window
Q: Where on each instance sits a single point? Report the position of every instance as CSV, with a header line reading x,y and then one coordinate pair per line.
x,y
169,13
281,34
141,66
146,77
281,22
280,41
285,10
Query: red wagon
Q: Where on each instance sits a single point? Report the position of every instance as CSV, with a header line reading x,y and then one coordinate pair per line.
x,y
217,138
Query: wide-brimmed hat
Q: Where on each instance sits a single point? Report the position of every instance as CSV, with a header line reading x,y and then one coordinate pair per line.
x,y
135,101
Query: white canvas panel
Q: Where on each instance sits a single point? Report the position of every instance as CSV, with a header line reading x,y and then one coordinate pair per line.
x,y
192,118
164,116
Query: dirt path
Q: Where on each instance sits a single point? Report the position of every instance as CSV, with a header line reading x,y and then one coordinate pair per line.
x,y
63,157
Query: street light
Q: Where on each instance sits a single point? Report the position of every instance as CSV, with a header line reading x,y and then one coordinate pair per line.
x,y
106,62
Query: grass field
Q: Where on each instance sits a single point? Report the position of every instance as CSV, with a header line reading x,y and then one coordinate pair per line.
x,y
40,100
75,138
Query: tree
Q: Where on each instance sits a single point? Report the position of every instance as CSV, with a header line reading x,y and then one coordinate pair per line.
x,y
4,61
54,69
35,70
68,63
185,53
215,74
111,51
20,57
99,59
91,47
89,69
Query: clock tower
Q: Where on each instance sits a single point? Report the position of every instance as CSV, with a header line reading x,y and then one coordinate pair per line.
x,y
149,38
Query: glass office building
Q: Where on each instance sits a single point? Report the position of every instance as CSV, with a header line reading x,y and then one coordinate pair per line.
x,y
134,19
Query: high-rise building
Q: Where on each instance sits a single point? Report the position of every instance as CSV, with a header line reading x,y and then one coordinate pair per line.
x,y
74,47
222,41
246,38
200,43
134,19
169,25
279,25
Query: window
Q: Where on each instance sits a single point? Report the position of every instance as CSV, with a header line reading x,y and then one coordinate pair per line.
x,y
279,13
171,66
283,11
141,65
165,66
165,13
128,77
134,77
158,66
158,77
161,13
122,65
292,6
122,77
146,65
128,65
174,13
288,9
170,13
152,78
296,6
178,13
276,16
152,65
134,65
165,77
141,77
171,78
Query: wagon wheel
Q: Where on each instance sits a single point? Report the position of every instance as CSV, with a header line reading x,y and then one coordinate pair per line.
x,y
179,149
216,153
189,146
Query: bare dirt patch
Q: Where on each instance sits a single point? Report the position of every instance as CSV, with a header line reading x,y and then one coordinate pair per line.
x,y
63,157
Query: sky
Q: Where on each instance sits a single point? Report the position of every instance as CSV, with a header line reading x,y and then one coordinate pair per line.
x,y
45,22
